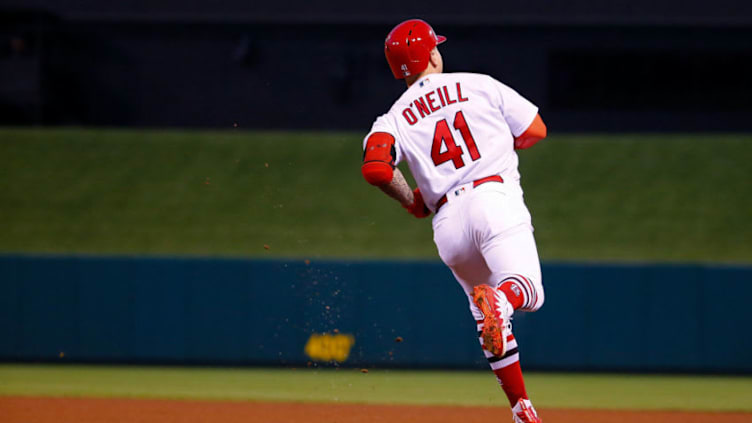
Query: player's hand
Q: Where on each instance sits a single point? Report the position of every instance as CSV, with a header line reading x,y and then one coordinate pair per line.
x,y
418,207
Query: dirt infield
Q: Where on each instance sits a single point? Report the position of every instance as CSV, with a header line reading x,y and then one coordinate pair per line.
x,y
86,410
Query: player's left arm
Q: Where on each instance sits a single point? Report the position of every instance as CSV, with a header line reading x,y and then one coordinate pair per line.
x,y
534,133
521,115
379,170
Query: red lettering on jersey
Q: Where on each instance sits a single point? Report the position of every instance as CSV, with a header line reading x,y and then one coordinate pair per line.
x,y
409,116
431,100
446,94
459,93
422,108
441,97
443,136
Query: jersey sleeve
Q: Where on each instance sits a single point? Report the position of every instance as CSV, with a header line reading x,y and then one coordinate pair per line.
x,y
383,124
518,111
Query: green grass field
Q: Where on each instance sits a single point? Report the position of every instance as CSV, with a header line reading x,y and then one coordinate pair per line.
x,y
593,197
595,391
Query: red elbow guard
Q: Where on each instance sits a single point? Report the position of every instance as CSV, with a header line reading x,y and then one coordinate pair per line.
x,y
378,159
377,173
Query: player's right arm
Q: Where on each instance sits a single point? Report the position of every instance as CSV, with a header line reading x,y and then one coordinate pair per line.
x,y
379,170
521,115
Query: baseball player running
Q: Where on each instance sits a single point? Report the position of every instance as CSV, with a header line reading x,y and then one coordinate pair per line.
x,y
458,133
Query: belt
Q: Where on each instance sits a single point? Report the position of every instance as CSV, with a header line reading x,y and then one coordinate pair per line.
x,y
481,181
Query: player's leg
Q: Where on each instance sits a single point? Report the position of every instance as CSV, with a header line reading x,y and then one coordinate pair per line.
x,y
513,260
459,248
500,224
506,366
471,271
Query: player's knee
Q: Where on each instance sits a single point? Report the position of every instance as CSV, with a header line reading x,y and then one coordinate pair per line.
x,y
538,297
527,291
541,298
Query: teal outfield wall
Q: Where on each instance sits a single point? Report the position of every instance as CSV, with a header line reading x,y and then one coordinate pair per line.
x,y
224,311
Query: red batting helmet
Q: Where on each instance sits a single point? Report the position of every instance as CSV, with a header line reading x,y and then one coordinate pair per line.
x,y
409,46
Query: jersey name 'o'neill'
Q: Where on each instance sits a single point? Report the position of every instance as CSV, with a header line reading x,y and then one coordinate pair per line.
x,y
431,102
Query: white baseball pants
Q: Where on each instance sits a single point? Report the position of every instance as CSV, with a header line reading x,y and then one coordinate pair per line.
x,y
484,234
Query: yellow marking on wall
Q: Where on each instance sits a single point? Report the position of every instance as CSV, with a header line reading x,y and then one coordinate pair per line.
x,y
329,347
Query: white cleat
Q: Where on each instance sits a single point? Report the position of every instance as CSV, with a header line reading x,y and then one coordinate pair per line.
x,y
524,412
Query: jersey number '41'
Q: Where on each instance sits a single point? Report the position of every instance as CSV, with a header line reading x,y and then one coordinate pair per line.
x,y
443,136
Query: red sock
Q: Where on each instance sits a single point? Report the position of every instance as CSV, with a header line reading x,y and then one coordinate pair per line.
x,y
513,292
510,378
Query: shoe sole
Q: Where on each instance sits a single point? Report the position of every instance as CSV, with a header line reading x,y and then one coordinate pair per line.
x,y
492,334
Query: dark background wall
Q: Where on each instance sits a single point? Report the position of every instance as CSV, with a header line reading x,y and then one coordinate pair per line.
x,y
620,66
220,311
386,11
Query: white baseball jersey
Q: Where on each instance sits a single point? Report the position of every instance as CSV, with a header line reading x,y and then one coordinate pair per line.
x,y
455,128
